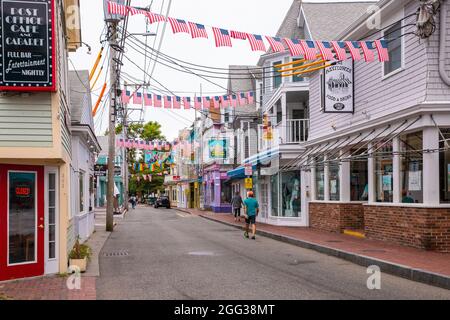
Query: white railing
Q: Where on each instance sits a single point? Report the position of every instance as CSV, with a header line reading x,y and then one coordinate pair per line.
x,y
297,131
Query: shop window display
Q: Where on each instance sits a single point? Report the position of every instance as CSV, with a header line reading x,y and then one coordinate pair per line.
x,y
444,165
274,183
320,179
359,179
291,196
334,181
411,146
384,174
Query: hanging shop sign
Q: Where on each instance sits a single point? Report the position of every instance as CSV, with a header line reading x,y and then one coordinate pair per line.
x,y
248,169
338,89
218,149
27,45
100,170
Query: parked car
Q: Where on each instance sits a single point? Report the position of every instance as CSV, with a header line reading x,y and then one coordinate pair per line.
x,y
162,201
151,201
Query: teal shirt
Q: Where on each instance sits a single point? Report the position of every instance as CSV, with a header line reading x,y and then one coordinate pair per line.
x,y
251,204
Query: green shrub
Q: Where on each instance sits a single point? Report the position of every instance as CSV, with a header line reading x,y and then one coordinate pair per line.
x,y
80,251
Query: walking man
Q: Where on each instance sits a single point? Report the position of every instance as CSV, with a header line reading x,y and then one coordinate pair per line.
x,y
237,203
251,207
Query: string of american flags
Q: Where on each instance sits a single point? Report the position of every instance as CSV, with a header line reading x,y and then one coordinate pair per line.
x,y
309,49
140,97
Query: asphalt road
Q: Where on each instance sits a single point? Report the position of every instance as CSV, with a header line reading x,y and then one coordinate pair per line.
x,y
166,254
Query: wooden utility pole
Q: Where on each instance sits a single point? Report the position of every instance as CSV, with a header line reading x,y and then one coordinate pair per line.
x,y
112,126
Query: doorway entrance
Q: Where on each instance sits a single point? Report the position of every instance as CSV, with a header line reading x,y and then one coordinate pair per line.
x,y
22,222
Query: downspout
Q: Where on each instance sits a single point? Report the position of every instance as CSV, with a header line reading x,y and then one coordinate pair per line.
x,y
442,49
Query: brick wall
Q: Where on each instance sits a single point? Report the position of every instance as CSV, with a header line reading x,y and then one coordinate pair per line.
x,y
336,217
423,228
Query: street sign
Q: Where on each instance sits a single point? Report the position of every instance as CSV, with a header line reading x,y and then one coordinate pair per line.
x,y
249,183
28,47
249,170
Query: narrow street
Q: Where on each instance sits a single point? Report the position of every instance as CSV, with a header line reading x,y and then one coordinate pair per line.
x,y
166,254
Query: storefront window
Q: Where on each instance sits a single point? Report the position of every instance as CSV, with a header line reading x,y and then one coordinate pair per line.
x,y
226,192
384,172
81,194
291,196
274,183
444,165
411,146
359,179
334,182
320,179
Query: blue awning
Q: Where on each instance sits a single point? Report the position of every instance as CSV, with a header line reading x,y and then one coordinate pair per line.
x,y
238,173
263,157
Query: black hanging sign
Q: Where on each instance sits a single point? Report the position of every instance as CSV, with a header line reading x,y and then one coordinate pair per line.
x,y
27,45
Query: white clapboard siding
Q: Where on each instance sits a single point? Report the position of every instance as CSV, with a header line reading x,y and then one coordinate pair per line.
x,y
437,89
26,121
375,96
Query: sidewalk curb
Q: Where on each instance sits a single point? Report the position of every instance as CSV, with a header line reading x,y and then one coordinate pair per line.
x,y
406,272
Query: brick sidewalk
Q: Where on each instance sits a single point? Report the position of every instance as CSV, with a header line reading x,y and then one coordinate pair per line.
x,y
48,288
432,262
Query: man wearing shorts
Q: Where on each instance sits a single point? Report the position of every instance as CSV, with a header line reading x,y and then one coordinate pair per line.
x,y
251,207
237,203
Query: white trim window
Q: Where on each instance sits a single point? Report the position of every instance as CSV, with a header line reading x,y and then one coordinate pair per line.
x,y
51,220
82,193
396,50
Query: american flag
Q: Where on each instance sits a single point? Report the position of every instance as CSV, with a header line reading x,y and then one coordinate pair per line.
x,y
158,101
135,11
309,48
368,47
222,37
154,17
148,101
353,46
339,48
239,35
126,96
234,100
216,101
256,42
325,50
251,97
115,8
198,30
176,102
206,102
187,103
242,99
294,47
137,98
276,44
198,103
382,48
167,102
225,101
178,25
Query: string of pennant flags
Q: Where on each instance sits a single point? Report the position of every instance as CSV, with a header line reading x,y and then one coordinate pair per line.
x,y
187,103
306,48
144,145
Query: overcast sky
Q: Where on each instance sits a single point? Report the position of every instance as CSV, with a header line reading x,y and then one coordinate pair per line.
x,y
254,16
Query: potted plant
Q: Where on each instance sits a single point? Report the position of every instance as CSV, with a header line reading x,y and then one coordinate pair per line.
x,y
80,255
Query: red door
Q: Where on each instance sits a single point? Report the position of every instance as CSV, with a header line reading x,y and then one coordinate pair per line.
x,y
21,221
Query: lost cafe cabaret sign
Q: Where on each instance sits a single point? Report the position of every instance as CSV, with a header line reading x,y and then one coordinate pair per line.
x,y
27,45
338,89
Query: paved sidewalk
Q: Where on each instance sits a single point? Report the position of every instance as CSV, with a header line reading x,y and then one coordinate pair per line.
x,y
418,265
56,287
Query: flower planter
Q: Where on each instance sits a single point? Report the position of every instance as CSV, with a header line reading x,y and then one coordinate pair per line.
x,y
80,263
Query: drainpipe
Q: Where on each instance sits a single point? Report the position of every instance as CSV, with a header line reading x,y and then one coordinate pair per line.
x,y
442,49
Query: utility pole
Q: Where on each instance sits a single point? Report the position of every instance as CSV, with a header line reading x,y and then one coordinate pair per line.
x,y
112,125
125,154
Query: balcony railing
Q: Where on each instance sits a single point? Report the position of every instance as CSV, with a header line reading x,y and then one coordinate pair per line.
x,y
297,131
